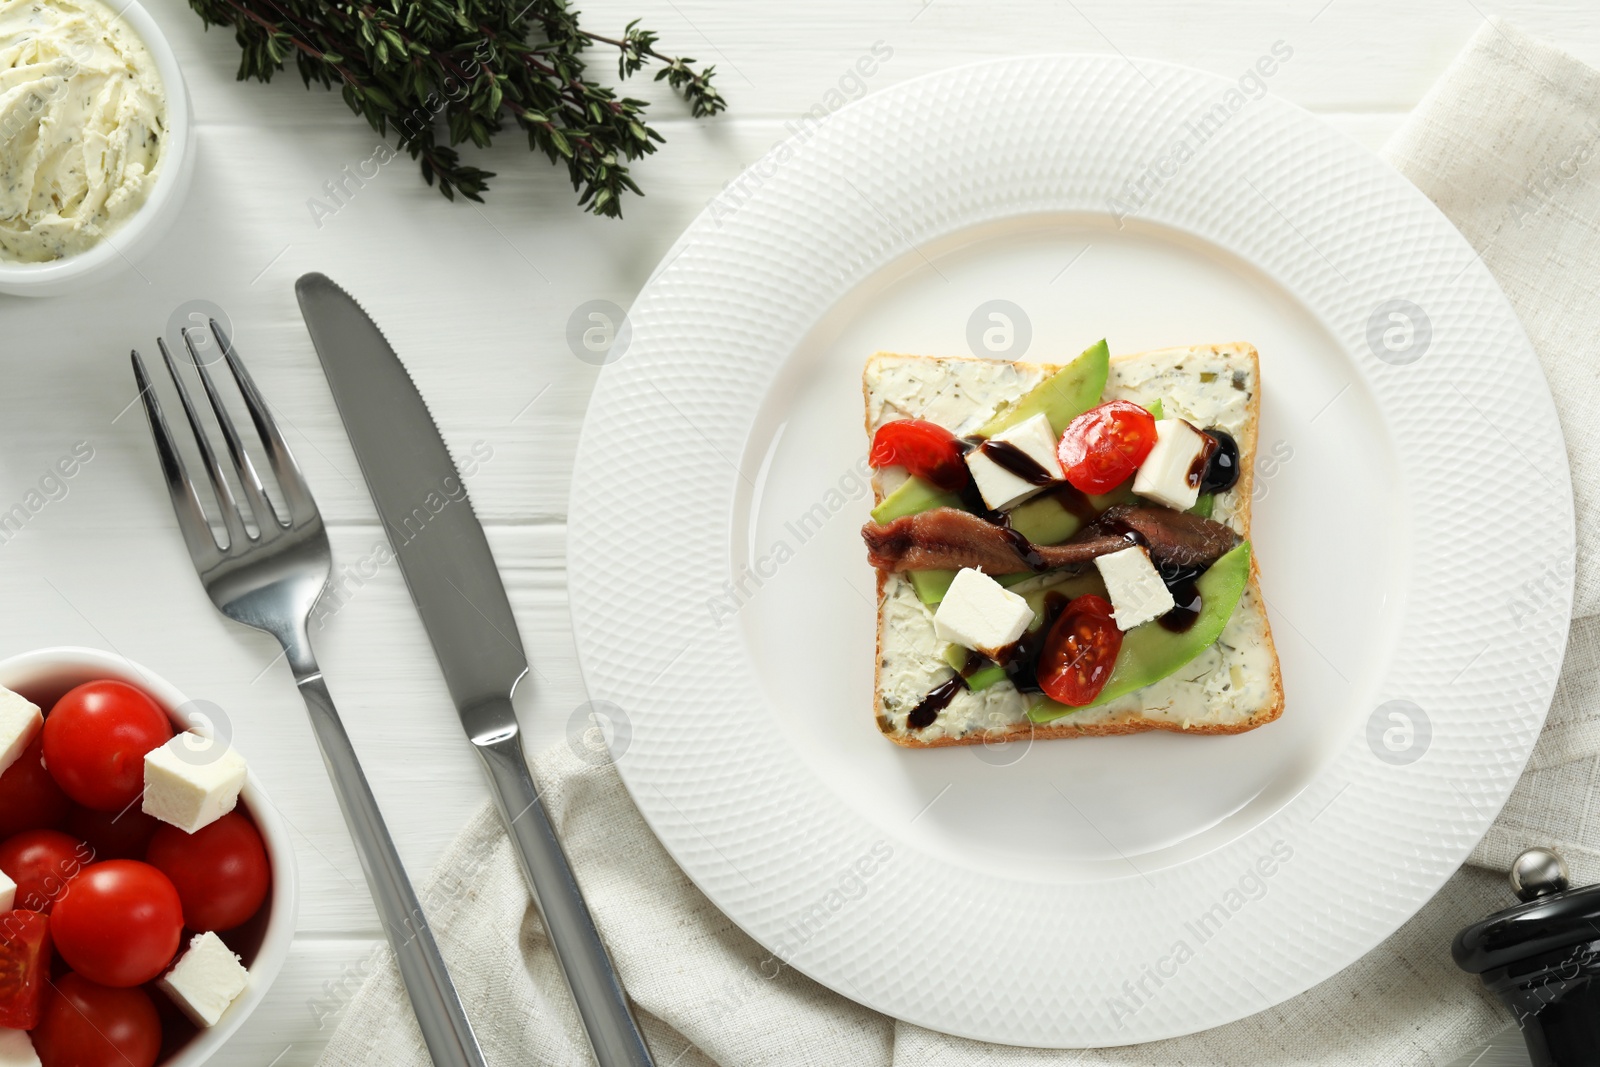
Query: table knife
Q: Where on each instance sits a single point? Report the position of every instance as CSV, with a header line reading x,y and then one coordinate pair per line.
x,y
445,559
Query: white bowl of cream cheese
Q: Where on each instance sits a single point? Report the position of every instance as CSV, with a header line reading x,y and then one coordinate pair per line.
x,y
95,141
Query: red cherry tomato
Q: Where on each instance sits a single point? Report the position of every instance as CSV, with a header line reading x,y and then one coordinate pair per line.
x,y
220,871
24,967
95,740
29,797
1079,652
114,835
42,862
89,1025
926,449
118,923
1105,445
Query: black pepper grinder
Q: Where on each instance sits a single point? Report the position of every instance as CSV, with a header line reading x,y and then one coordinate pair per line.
x,y
1542,958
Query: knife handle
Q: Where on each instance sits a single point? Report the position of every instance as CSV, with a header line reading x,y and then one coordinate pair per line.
x,y
440,1015
596,989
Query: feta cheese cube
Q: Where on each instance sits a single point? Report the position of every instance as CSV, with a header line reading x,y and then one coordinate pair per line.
x,y
1137,592
1164,474
19,722
16,1049
979,613
8,897
192,781
999,487
207,979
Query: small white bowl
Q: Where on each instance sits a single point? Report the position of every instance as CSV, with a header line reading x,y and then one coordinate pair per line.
x,y
155,216
43,676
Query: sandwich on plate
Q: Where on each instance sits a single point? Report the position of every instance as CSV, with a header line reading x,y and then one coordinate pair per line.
x,y
1064,550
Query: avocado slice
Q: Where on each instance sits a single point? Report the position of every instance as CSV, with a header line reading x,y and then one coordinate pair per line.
x,y
931,586
1044,521
1062,397
1151,652
1071,588
912,496
978,680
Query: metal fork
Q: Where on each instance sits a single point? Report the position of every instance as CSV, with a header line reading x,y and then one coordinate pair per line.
x,y
271,580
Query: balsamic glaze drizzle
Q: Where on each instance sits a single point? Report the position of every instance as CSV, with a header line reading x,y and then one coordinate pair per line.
x,y
1201,464
1024,547
1009,457
1181,582
937,700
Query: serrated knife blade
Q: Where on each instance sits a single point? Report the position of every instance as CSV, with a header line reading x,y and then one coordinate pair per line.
x,y
450,571
422,503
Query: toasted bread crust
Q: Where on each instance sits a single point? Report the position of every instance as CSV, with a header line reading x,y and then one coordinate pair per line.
x,y
1132,724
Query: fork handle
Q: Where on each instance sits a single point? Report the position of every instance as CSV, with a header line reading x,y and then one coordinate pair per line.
x,y
440,1015
596,989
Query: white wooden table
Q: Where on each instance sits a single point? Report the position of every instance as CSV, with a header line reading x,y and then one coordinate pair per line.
x,y
477,301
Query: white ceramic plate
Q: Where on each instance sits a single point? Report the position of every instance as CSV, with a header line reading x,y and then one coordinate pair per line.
x,y
1413,526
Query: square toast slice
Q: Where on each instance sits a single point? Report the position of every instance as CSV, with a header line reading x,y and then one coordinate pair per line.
x,y
1233,686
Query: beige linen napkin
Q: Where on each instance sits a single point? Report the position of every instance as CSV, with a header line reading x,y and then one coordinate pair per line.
x,y
1506,145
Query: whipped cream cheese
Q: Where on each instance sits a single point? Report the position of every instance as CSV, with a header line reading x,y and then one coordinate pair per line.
x,y
82,126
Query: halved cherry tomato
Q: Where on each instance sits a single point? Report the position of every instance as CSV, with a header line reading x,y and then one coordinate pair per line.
x,y
1105,445
926,449
95,740
42,862
24,967
114,835
29,797
1079,652
119,923
89,1025
220,871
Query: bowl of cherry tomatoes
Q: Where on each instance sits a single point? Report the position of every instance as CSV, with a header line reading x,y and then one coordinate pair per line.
x,y
101,961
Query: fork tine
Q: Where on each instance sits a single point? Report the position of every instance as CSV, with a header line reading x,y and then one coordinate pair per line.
x,y
197,533
296,494
231,519
266,517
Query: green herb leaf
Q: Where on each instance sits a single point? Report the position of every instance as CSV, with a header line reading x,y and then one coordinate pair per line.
x,y
443,73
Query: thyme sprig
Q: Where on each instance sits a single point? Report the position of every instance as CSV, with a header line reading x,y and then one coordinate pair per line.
x,y
442,73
